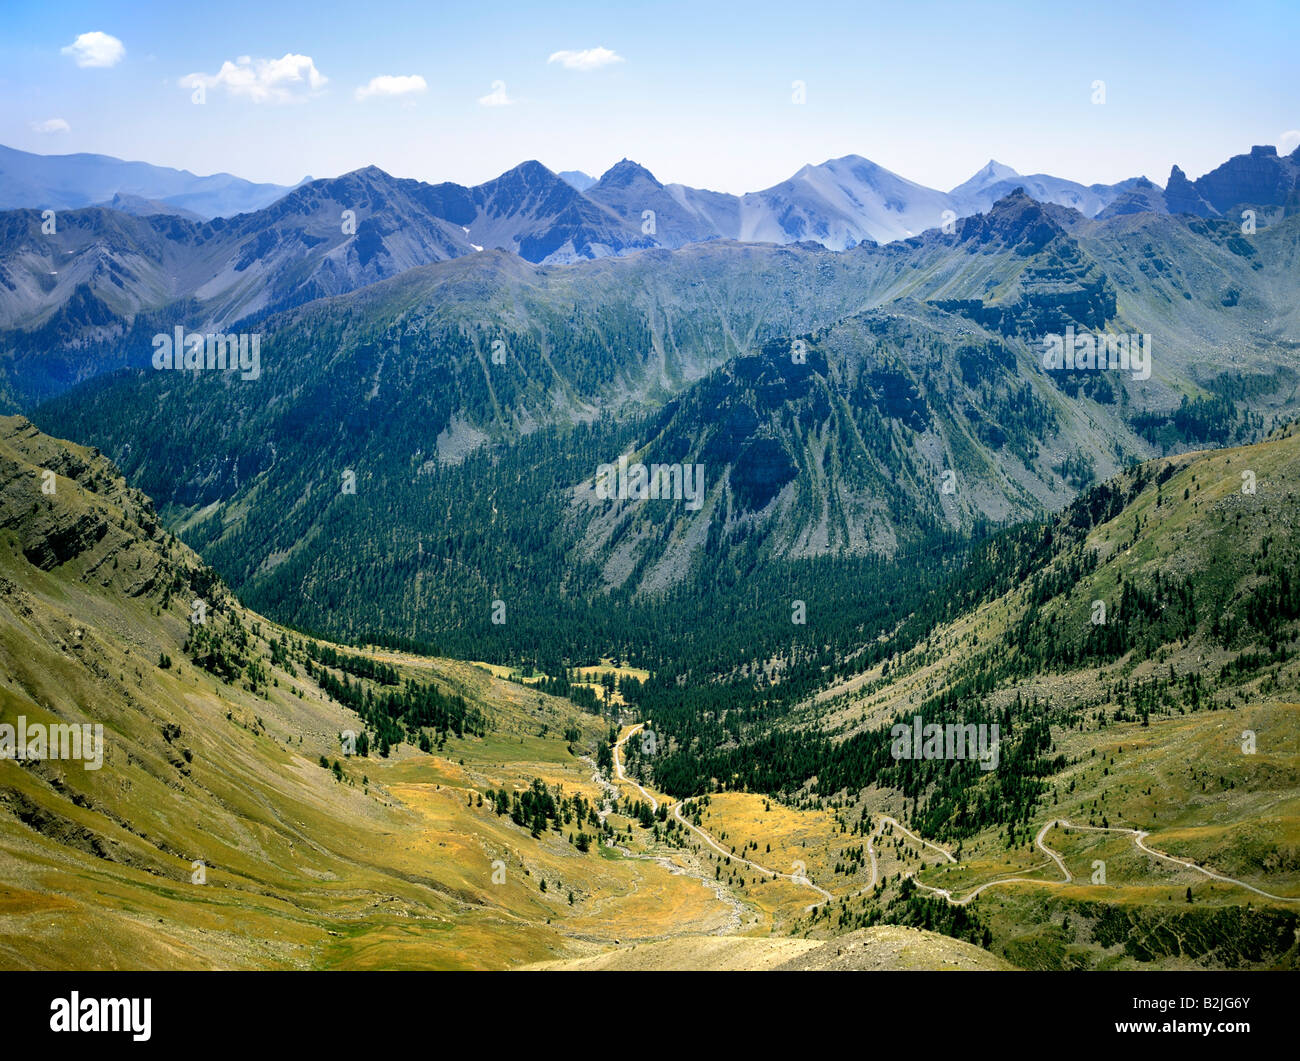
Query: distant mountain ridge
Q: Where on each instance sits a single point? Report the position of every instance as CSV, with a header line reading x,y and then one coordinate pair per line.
x,y
577,178
557,218
103,270
69,182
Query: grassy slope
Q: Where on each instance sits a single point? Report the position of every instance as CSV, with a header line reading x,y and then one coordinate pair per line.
x,y
302,870
1184,778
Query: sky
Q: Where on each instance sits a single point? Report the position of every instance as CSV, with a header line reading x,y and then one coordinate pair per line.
x,y
700,93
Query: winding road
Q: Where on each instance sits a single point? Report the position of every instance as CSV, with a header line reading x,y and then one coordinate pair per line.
x,y
1139,838
618,765
677,813
881,822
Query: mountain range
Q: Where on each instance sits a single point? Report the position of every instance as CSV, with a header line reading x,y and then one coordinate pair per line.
x,y
69,282
329,236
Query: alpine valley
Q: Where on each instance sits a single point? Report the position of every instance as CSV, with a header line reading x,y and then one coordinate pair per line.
x,y
394,670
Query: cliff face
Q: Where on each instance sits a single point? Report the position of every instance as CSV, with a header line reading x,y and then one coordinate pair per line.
x,y
1261,178
1182,196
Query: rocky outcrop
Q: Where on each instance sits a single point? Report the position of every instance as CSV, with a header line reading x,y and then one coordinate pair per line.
x,y
1015,221
1060,288
1261,178
1181,196
1258,179
43,487
54,537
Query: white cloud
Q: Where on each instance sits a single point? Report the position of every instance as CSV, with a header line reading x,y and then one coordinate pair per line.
x,y
587,59
1288,141
497,97
51,125
392,85
263,80
96,49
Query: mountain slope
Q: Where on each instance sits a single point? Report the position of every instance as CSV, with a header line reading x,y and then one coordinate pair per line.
x,y
839,204
485,392
1138,656
210,835
214,832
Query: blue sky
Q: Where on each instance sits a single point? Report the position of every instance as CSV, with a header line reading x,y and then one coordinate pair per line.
x,y
699,92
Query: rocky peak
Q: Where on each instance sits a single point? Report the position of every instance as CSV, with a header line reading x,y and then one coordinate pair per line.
x,y
1016,220
1181,196
625,173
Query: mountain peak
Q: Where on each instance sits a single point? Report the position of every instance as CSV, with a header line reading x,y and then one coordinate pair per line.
x,y
577,179
990,173
530,172
850,162
995,170
626,172
1016,220
371,173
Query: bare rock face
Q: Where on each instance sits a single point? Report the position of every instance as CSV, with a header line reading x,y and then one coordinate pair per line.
x,y
1182,197
1015,221
58,537
1261,178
